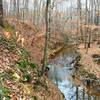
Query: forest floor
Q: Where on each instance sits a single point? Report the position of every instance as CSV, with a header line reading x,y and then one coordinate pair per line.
x,y
20,69
87,60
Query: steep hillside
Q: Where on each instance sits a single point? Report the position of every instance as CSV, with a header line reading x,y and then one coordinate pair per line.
x,y
20,76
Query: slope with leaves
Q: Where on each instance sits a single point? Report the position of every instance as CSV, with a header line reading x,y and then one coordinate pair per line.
x,y
87,60
20,76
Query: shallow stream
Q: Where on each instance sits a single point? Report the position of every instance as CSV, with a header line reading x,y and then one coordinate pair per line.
x,y
61,70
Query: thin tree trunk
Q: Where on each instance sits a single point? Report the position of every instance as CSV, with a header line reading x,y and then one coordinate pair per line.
x,y
77,93
45,58
1,13
83,94
91,22
98,38
80,17
85,35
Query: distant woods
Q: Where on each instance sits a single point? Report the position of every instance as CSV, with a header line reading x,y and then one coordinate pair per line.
x,y
75,21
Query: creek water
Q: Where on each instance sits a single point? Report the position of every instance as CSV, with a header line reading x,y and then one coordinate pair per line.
x,y
61,69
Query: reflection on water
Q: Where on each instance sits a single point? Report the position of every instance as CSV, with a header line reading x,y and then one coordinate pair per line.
x,y
61,70
73,92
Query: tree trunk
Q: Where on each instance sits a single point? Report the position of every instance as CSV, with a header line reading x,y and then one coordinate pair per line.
x,y
80,17
45,58
86,22
1,13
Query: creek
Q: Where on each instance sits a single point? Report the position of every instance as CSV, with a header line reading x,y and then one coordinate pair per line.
x,y
61,70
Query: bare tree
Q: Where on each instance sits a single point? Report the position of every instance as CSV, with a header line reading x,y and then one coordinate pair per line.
x,y
45,58
86,21
1,13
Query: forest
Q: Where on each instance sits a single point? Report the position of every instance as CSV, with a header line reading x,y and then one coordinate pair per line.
x,y
49,49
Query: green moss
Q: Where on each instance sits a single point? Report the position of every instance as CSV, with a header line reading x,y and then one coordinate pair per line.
x,y
33,98
4,91
7,97
23,53
22,63
9,27
26,77
32,65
